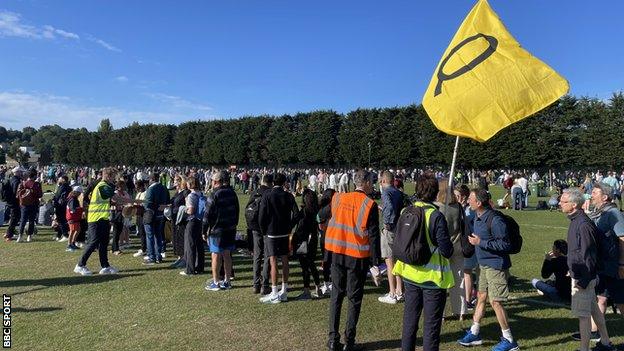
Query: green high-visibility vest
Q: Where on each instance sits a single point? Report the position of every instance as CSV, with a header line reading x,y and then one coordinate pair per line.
x,y
98,208
437,270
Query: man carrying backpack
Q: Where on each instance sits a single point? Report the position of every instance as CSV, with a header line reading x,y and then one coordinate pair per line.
x,y
492,243
9,195
252,209
28,194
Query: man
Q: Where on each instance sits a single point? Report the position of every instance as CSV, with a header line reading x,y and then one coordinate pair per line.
x,y
392,204
60,204
492,245
524,185
252,211
156,198
10,196
98,219
220,221
351,243
277,218
582,264
29,195
610,238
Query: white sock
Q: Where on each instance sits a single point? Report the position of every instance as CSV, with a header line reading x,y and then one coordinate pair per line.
x,y
507,335
274,290
284,287
475,328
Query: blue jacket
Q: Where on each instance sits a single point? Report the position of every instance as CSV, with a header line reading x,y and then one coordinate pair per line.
x,y
491,252
392,202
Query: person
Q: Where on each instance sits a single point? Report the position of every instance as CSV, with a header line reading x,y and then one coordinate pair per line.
x,y
555,263
219,227
426,285
117,219
462,192
29,194
98,219
582,263
352,241
491,241
252,210
60,205
156,198
453,213
140,211
305,242
392,204
73,214
524,186
194,255
12,204
516,194
278,210
179,229
323,217
610,223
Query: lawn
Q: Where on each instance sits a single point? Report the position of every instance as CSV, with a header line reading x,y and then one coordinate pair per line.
x,y
154,308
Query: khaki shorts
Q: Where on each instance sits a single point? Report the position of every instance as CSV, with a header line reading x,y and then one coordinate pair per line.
x,y
387,238
583,299
494,282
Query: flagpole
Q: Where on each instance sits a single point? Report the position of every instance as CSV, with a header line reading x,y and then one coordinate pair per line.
x,y
449,190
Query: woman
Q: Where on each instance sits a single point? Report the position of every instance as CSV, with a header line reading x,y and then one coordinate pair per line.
x,y
305,241
140,210
323,218
178,229
117,218
470,263
194,255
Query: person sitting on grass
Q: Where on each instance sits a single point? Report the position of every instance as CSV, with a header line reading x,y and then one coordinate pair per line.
x,y
555,262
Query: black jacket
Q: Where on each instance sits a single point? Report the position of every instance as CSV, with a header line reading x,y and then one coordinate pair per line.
x,y
14,183
582,250
60,198
257,195
222,211
278,211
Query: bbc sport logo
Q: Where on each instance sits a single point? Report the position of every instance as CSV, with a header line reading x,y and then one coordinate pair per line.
x,y
6,321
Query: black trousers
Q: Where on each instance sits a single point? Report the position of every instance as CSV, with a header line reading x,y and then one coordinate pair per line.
x,y
97,238
117,229
308,267
179,240
260,264
14,212
417,299
63,226
326,265
141,230
194,254
347,282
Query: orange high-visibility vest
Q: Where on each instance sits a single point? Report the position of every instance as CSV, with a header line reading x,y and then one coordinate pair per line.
x,y
346,231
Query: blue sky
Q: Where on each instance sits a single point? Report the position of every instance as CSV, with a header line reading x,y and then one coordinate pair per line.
x,y
73,62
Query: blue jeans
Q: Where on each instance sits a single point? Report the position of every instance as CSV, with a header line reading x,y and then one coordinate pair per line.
x,y
155,239
548,290
28,214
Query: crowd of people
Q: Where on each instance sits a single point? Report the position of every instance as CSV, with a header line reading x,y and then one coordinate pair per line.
x,y
465,242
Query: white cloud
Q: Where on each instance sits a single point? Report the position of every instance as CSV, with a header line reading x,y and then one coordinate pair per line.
x,y
121,79
103,44
178,102
21,109
11,25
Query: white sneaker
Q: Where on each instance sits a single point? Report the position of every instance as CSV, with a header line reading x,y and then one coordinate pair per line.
x,y
138,253
400,298
79,244
19,239
29,238
82,270
109,270
387,298
146,258
269,297
162,255
56,239
63,239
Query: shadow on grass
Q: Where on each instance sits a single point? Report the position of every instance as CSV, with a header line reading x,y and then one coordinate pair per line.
x,y
382,345
36,309
76,280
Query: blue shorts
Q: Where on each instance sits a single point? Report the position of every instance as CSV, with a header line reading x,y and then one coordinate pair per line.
x,y
218,244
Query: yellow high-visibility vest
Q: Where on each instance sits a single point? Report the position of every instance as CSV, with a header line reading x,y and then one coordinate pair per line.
x,y
98,208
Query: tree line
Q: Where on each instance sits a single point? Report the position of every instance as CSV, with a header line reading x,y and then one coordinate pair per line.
x,y
572,133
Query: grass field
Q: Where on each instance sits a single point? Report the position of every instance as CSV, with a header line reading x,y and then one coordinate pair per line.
x,y
154,308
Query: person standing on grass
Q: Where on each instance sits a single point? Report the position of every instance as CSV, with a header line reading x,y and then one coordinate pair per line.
x,y
219,225
352,240
582,264
391,206
462,192
260,264
278,210
156,198
179,229
194,255
492,244
60,204
9,193
29,195
73,214
305,242
98,219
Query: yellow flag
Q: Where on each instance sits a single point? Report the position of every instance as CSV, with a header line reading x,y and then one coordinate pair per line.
x,y
486,81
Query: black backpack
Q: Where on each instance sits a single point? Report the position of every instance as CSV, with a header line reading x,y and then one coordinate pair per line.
x,y
410,238
513,231
252,211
